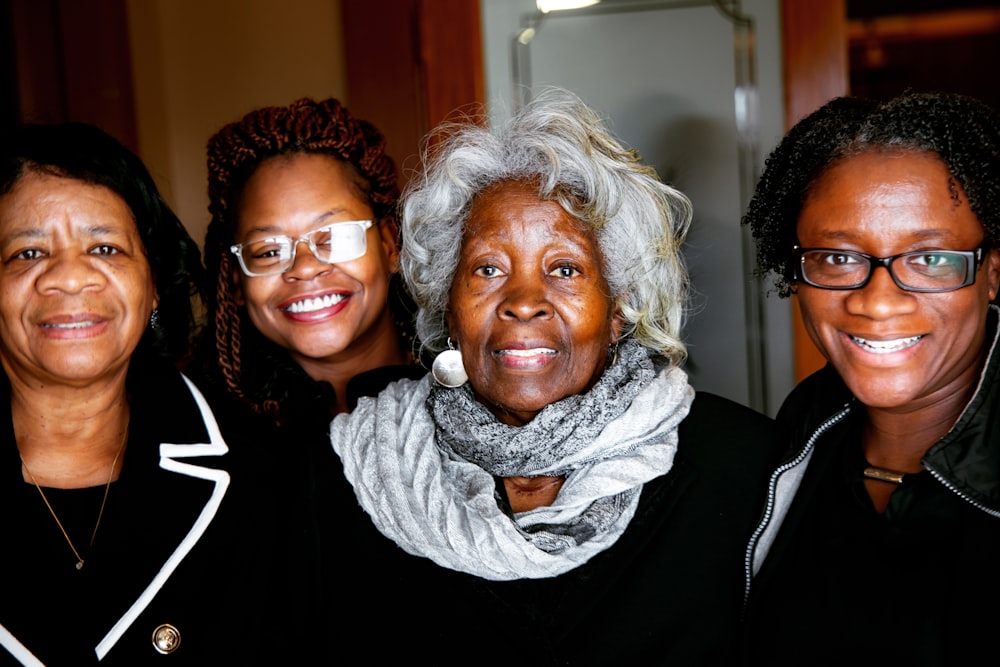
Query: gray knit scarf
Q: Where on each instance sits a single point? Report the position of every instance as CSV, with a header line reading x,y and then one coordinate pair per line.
x,y
556,434
422,460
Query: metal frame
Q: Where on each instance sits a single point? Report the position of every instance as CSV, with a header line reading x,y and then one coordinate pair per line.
x,y
747,132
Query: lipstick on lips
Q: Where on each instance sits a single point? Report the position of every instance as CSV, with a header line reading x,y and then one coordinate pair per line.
x,y
312,304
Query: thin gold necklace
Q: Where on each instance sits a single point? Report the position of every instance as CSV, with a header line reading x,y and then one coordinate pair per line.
x,y
100,514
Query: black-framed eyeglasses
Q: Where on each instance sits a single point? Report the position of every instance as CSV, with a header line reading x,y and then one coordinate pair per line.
x,y
915,271
337,242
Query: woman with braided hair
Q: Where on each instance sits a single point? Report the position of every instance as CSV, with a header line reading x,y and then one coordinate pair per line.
x,y
301,255
304,314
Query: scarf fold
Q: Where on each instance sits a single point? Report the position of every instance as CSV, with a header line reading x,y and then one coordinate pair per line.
x,y
422,461
557,439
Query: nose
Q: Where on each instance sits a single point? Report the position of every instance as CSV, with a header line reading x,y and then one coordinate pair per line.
x,y
305,265
881,298
70,273
525,298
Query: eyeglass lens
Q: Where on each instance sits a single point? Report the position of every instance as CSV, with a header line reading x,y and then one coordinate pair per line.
x,y
937,270
339,242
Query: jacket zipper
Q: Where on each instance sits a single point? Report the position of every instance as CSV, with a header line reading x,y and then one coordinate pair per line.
x,y
772,492
948,485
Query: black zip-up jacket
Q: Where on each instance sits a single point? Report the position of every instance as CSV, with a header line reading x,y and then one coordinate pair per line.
x,y
818,415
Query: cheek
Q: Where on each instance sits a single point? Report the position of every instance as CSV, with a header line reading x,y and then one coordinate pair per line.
x,y
375,272
596,325
463,326
817,311
254,293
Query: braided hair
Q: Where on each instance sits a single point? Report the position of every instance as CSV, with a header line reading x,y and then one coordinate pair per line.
x,y
232,352
962,131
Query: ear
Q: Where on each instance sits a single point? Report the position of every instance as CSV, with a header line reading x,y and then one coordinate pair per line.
x,y
447,323
617,324
389,234
993,272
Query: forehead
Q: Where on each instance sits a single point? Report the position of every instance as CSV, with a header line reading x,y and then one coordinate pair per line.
x,y
890,195
515,207
298,191
38,200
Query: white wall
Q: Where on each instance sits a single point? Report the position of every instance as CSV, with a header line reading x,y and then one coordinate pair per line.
x,y
665,84
664,77
199,64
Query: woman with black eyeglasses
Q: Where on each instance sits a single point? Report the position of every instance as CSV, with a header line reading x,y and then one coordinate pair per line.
x,y
882,533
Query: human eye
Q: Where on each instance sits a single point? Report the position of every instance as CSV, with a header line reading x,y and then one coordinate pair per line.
x,y
565,271
488,271
842,259
28,254
104,249
936,263
267,249
832,264
324,238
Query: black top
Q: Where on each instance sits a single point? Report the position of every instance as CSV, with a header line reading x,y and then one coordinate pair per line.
x,y
188,538
670,591
915,585
871,575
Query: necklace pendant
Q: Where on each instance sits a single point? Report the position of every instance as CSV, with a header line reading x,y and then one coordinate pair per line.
x,y
884,475
79,565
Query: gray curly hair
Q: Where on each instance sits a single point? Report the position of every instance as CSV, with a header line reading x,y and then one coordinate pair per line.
x,y
564,146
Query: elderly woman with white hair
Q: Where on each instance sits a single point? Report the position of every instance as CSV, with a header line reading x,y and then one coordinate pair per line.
x,y
557,452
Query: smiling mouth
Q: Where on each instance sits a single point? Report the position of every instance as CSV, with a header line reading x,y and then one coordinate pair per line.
x,y
312,305
885,346
533,352
70,325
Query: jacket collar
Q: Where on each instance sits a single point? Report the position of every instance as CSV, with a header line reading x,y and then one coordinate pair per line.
x,y
967,458
173,458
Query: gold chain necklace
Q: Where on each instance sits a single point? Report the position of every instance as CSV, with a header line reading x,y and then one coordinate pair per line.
x,y
100,514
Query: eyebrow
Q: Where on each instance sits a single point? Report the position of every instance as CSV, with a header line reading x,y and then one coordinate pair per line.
x,y
914,235
322,217
40,232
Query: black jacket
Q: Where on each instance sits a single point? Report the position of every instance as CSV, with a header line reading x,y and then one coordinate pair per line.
x,y
191,536
668,592
953,514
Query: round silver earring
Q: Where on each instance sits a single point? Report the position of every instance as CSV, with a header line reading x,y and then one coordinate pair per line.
x,y
154,319
448,369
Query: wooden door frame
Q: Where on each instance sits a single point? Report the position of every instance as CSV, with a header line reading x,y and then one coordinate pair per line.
x,y
815,56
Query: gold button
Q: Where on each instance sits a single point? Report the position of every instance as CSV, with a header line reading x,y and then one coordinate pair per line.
x,y
166,639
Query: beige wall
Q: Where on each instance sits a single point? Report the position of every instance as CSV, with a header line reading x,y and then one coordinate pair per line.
x,y
199,64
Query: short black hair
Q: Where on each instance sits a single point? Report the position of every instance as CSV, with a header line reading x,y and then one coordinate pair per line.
x,y
86,153
962,131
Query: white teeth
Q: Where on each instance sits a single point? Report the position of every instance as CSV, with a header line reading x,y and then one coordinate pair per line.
x,y
70,325
885,346
528,353
319,303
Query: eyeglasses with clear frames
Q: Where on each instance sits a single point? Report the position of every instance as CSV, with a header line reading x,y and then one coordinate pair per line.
x,y
334,243
915,271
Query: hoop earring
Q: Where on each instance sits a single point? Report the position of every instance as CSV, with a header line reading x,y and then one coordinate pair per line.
x,y
612,354
448,369
154,319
